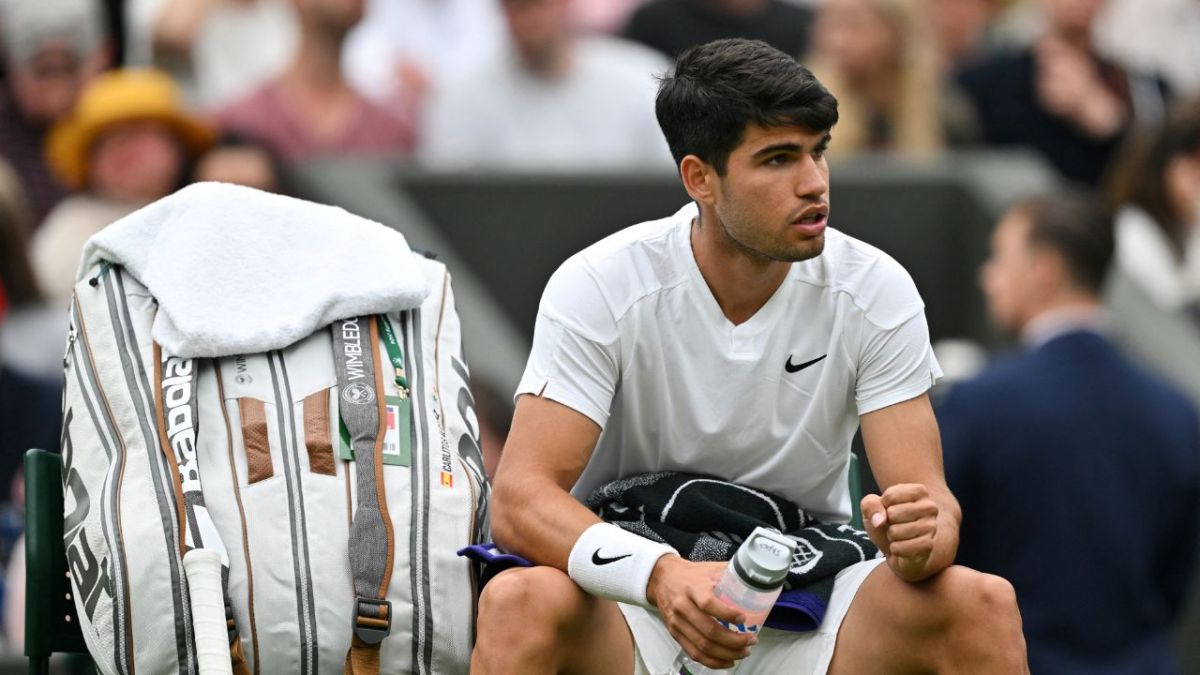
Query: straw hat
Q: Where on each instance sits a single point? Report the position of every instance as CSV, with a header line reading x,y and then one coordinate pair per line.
x,y
115,97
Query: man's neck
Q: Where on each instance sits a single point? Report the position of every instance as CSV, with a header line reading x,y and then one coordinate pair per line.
x,y
550,63
318,62
1079,40
740,281
1062,318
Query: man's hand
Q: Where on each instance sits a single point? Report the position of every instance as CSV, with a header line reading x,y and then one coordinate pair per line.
x,y
683,593
1070,86
903,523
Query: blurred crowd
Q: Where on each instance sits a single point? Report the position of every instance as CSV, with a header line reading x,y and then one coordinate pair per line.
x,y
107,105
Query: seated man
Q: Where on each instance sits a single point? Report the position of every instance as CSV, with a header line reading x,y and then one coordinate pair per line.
x,y
744,339
1072,435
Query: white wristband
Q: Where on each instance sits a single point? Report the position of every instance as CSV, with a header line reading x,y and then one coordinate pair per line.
x,y
611,563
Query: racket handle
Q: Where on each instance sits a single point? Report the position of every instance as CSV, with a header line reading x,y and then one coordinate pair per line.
x,y
203,567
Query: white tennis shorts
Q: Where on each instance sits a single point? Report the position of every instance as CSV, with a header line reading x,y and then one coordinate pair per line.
x,y
776,652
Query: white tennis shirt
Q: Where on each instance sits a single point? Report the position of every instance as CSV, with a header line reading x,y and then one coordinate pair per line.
x,y
629,334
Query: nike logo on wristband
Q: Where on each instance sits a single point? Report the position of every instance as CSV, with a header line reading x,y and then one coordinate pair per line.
x,y
597,560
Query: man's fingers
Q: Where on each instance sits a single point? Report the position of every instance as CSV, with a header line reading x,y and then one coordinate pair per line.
x,y
912,512
718,610
904,493
898,532
875,521
707,641
914,549
874,512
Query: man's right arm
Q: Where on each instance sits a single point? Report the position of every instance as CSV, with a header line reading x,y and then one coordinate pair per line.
x,y
535,516
533,512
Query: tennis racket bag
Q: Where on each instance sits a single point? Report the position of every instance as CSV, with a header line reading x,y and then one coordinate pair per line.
x,y
335,479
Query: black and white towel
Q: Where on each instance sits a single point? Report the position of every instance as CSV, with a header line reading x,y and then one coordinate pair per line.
x,y
706,519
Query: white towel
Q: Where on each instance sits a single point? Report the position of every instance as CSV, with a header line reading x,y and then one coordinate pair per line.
x,y
237,271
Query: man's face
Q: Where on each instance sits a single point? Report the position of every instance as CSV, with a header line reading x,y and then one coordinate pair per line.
x,y
773,200
1073,16
958,24
1010,277
537,26
46,86
136,162
856,38
337,16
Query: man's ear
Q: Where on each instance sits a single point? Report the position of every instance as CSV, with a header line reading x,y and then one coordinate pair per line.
x,y
700,179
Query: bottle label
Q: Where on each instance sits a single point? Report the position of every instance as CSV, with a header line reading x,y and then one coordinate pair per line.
x,y
740,627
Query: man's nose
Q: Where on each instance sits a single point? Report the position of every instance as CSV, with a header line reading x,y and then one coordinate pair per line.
x,y
812,181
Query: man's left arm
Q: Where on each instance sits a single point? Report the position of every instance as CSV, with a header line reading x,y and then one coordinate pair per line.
x,y
915,521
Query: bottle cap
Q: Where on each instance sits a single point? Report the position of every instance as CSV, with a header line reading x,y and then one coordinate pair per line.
x,y
762,561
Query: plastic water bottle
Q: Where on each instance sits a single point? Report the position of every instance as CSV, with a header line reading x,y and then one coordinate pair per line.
x,y
750,584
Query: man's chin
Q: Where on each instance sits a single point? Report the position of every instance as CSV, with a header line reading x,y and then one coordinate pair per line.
x,y
808,250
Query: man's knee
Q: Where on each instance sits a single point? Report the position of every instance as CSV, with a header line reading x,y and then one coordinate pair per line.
x,y
974,596
530,596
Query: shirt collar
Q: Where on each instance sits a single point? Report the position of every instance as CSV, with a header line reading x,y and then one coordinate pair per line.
x,y
1055,323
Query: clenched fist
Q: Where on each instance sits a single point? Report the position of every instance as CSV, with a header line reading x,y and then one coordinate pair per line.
x,y
903,523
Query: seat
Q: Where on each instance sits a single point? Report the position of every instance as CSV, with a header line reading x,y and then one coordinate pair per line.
x,y
50,622
856,492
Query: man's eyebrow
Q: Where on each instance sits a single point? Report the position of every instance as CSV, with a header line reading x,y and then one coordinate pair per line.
x,y
778,147
793,147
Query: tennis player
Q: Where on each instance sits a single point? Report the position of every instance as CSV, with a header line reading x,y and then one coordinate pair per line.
x,y
740,337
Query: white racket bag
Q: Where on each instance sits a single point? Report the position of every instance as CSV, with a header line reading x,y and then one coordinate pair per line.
x,y
334,492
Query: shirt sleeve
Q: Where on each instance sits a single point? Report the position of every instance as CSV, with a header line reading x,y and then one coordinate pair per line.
x,y
575,356
895,364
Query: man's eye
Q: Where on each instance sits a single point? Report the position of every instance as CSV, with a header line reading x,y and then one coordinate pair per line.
x,y
777,160
819,152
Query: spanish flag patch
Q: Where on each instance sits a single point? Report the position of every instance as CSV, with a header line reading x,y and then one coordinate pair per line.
x,y
447,479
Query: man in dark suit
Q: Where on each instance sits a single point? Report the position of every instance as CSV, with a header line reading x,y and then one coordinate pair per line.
x,y
1077,471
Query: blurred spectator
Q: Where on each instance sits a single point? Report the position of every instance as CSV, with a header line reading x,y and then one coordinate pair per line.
x,y
126,144
403,49
1157,186
602,16
876,57
29,406
1155,36
32,339
671,26
557,101
311,109
1078,472
236,159
1059,97
962,30
217,50
51,49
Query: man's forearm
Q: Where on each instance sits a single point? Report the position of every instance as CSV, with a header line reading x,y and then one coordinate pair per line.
x,y
538,519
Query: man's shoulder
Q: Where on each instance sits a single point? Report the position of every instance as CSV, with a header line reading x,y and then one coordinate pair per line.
x,y
621,269
872,281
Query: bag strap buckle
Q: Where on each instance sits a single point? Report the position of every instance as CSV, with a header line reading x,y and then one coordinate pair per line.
x,y
372,619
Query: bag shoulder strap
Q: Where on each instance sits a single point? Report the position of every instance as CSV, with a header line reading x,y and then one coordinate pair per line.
x,y
371,545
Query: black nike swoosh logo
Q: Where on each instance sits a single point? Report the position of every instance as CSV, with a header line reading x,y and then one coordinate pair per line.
x,y
598,560
793,368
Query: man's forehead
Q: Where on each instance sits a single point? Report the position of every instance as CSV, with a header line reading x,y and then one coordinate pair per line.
x,y
757,136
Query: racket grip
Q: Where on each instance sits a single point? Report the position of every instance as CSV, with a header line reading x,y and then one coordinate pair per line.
x,y
203,568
